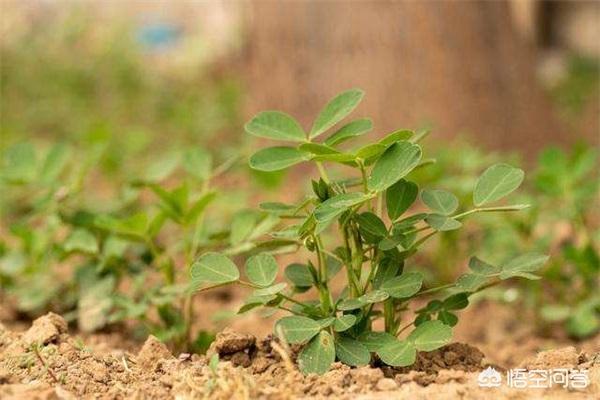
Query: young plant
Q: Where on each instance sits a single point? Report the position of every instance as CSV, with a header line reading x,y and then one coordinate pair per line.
x,y
374,240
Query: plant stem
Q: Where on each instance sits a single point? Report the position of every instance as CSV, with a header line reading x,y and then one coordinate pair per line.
x,y
322,172
43,362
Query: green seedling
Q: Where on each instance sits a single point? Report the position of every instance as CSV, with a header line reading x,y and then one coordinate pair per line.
x,y
374,239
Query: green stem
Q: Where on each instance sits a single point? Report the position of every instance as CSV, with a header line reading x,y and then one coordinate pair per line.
x,y
322,172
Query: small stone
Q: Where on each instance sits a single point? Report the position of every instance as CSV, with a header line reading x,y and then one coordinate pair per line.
x,y
45,329
241,359
386,385
152,352
229,342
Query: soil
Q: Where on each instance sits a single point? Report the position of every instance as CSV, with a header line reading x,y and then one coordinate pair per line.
x,y
46,362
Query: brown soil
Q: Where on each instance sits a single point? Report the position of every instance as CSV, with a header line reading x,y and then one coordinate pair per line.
x,y
63,367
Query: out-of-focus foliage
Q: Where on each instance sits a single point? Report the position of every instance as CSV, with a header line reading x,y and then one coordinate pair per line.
x,y
565,218
580,83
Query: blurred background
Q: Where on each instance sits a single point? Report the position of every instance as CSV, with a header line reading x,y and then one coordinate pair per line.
x,y
510,75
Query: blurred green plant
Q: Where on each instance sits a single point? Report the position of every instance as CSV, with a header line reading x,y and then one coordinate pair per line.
x,y
564,218
99,266
373,253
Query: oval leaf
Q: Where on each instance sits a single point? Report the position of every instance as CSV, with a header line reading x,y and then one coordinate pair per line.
x,y
318,355
399,197
214,268
442,223
523,265
270,290
81,240
374,341
335,206
404,285
376,296
348,131
399,353
299,275
344,322
496,182
336,110
351,352
277,158
440,201
261,269
394,164
430,335
297,329
275,125
350,304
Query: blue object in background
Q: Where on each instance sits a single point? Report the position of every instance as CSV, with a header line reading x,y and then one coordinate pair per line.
x,y
158,36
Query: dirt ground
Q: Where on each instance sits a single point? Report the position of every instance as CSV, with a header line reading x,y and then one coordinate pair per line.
x,y
112,366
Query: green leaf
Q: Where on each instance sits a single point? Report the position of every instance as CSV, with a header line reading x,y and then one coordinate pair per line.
x,y
242,225
399,353
344,322
442,223
386,271
213,268
255,301
369,151
399,197
456,301
277,158
81,240
430,335
481,267
496,182
394,164
447,318
331,208
276,208
404,285
55,162
523,265
375,296
350,130
440,201
275,125
135,226
336,110
396,136
20,163
326,322
584,321
270,290
161,168
261,269
318,355
317,149
297,329
374,341
198,163
198,207
371,224
299,275
471,282
351,352
350,304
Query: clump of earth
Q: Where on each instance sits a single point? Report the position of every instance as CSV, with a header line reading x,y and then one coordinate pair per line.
x,y
46,362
